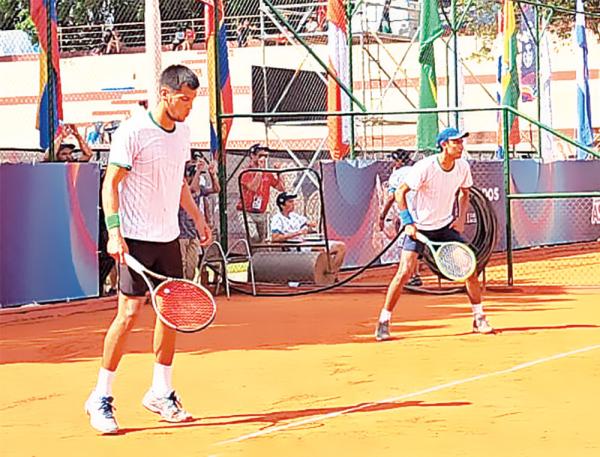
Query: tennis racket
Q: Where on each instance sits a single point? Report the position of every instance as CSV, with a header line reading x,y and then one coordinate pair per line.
x,y
456,261
180,304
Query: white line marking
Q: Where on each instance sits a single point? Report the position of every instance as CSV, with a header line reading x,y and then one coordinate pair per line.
x,y
410,395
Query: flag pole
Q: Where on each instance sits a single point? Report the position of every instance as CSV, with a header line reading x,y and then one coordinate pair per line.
x,y
349,14
219,133
455,58
51,79
538,79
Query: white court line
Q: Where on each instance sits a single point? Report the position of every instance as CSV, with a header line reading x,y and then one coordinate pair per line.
x,y
410,395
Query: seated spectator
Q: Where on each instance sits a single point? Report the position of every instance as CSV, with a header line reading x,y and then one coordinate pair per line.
x,y
178,39
189,38
111,41
64,151
287,225
311,25
256,190
243,33
322,18
189,242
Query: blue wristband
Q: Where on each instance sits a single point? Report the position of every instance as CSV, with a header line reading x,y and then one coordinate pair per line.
x,y
406,218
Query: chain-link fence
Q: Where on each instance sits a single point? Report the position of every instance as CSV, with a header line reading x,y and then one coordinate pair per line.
x,y
279,62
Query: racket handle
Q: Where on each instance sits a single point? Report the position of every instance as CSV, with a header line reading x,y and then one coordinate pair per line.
x,y
134,264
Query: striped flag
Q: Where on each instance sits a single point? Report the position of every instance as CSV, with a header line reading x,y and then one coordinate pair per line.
x,y
49,81
509,79
545,93
584,109
339,127
224,89
431,29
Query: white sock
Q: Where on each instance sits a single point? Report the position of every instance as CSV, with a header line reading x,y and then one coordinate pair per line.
x,y
105,382
477,309
162,384
385,315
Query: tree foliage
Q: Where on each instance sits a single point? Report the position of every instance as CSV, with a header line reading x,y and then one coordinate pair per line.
x,y
480,18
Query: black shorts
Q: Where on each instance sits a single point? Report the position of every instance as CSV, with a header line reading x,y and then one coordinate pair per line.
x,y
442,234
161,258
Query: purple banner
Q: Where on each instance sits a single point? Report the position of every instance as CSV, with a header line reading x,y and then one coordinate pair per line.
x,y
354,197
49,234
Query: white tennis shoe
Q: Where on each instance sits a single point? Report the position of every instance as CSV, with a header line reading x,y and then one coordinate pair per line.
x,y
100,409
481,325
382,332
168,407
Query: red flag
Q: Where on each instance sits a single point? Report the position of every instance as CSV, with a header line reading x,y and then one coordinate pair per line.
x,y
339,127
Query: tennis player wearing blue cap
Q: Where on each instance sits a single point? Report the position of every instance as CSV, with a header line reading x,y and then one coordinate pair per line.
x,y
435,180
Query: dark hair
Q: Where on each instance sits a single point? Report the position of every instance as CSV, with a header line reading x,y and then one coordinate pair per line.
x,y
175,76
401,155
70,146
257,149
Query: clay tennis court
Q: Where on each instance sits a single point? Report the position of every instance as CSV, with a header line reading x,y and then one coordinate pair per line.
x,y
303,376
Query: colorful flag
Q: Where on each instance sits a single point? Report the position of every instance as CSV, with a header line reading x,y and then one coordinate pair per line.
x,y
584,109
528,52
50,98
339,127
545,92
224,89
430,27
509,79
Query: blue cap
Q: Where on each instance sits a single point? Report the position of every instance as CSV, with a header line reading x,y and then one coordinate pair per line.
x,y
449,134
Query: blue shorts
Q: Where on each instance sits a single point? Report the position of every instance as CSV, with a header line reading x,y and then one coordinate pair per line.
x,y
443,234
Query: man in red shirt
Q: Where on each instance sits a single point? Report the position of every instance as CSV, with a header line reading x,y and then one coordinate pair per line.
x,y
256,190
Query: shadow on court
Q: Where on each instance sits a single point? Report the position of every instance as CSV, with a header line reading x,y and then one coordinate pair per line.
x,y
275,418
249,323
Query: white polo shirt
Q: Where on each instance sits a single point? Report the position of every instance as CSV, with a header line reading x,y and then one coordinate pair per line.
x,y
435,191
286,225
149,195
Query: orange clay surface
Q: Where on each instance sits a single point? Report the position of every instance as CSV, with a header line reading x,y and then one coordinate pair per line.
x,y
304,377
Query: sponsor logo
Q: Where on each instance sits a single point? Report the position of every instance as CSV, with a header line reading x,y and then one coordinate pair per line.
x,y
595,211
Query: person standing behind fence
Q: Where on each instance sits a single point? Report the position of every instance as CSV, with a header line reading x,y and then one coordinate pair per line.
x,y
402,166
64,151
256,191
189,242
141,194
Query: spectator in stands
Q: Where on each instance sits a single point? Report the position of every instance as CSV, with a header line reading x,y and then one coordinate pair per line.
x,y
256,190
178,39
386,24
243,33
111,41
189,241
189,38
64,151
287,225
311,25
322,18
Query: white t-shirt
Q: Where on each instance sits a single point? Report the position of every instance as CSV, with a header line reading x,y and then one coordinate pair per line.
x,y
435,191
149,195
286,225
397,178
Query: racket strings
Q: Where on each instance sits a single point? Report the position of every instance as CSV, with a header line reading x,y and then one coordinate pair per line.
x,y
185,305
455,261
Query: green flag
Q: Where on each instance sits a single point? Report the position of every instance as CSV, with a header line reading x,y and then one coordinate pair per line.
x,y
430,27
